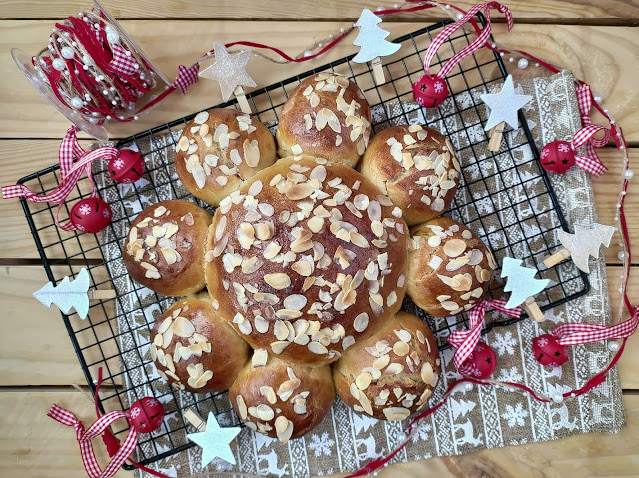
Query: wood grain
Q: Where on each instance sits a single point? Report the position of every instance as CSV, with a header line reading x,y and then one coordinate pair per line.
x,y
606,57
37,443
523,10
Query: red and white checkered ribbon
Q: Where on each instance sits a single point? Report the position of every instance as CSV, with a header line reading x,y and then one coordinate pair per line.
x,y
585,136
73,162
465,341
468,50
573,334
186,77
122,62
85,436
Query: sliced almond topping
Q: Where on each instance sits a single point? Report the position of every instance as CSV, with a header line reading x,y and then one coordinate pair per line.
x,y
381,362
361,322
183,327
183,143
268,393
427,372
278,280
396,413
279,346
317,348
299,191
251,153
401,348
264,412
454,247
366,403
394,368
241,407
363,380
303,268
285,435
260,357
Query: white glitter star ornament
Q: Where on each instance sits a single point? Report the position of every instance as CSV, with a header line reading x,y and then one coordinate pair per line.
x,y
229,70
215,441
504,105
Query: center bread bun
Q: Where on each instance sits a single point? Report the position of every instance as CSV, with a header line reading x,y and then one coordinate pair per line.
x,y
306,259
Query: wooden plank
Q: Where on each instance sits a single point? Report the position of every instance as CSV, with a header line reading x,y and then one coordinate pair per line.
x,y
604,56
523,10
35,348
31,442
48,359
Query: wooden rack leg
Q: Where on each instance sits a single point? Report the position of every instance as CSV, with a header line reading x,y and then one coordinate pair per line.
x,y
242,101
554,259
533,310
378,71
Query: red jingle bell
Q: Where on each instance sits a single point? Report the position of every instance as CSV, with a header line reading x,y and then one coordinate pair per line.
x,y
430,92
557,157
548,352
146,415
90,215
483,361
127,167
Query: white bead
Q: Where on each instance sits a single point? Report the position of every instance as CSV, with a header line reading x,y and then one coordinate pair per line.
x,y
573,395
522,63
613,346
308,53
76,102
59,64
135,118
67,52
396,6
105,92
511,59
342,30
628,173
113,102
112,35
460,16
501,53
468,386
379,9
95,113
320,45
621,255
557,398
618,206
108,117
537,65
93,120
494,45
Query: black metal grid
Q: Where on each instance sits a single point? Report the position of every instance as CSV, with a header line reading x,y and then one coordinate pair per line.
x,y
97,340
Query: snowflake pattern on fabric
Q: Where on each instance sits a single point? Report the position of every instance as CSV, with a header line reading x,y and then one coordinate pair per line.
x,y
321,445
85,209
504,343
510,375
515,415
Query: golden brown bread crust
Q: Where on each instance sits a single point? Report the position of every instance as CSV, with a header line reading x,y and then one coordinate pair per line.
x,y
327,116
449,267
195,350
218,150
391,374
417,168
164,249
294,267
282,400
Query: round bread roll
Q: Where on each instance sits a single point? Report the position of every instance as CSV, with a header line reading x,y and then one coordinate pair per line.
x,y
164,249
416,167
218,150
195,350
281,400
307,258
327,116
391,374
449,267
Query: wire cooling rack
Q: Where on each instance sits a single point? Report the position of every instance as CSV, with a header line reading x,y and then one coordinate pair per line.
x,y
498,202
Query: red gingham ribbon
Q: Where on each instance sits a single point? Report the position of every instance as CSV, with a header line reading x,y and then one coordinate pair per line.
x,y
585,136
84,439
468,50
122,62
573,334
465,341
73,162
186,77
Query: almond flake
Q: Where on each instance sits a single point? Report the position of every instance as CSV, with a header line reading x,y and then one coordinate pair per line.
x,y
278,280
279,346
363,380
396,413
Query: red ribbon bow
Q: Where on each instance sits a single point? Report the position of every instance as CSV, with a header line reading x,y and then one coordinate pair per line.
x,y
468,50
465,341
84,439
73,162
572,334
585,136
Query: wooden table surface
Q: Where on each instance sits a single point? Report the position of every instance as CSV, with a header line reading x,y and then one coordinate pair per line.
x,y
597,40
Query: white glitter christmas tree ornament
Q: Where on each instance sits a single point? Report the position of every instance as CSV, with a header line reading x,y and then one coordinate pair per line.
x,y
68,294
504,105
585,242
229,70
371,38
